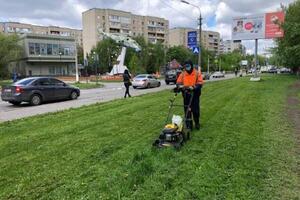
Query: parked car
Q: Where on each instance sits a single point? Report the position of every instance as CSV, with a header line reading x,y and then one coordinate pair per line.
x,y
37,90
263,69
284,70
145,81
172,75
218,75
272,70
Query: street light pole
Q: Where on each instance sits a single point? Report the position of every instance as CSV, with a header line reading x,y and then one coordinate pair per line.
x,y
200,32
76,65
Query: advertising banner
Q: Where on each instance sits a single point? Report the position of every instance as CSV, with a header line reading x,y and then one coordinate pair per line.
x,y
273,21
263,26
192,39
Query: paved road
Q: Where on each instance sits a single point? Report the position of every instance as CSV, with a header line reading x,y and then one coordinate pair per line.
x,y
110,92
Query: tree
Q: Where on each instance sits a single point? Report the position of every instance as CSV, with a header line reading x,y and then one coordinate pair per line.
x,y
10,50
106,51
133,65
80,54
289,46
156,59
180,53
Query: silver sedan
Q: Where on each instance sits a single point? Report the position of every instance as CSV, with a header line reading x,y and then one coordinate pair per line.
x,y
145,81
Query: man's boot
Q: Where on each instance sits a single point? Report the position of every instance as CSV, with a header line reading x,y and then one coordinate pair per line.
x,y
197,124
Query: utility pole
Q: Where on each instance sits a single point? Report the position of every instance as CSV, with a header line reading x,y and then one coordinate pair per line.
x,y
208,65
200,34
76,65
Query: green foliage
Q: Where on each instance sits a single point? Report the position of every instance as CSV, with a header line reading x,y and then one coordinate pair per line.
x,y
289,46
180,53
80,54
10,50
156,54
230,61
107,51
245,149
133,65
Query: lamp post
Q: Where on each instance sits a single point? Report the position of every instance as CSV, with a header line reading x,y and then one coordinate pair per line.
x,y
200,32
76,65
95,61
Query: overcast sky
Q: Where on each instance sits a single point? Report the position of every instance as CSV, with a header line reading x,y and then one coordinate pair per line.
x,y
217,14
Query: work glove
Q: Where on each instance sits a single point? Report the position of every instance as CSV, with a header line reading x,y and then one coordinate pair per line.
x,y
178,88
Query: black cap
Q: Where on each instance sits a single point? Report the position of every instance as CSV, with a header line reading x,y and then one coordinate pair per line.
x,y
188,62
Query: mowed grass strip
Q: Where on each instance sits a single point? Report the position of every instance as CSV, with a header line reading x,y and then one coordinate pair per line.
x,y
84,85
243,151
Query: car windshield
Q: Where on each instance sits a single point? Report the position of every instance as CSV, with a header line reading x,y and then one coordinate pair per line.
x,y
141,76
25,81
171,72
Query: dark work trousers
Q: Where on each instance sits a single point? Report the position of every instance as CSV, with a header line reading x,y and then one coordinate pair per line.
x,y
195,107
127,89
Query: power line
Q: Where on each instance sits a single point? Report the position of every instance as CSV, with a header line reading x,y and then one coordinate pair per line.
x,y
163,1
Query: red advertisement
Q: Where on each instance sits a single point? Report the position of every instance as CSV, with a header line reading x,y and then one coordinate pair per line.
x,y
273,22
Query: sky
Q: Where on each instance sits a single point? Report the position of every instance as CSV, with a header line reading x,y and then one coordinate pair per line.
x,y
217,14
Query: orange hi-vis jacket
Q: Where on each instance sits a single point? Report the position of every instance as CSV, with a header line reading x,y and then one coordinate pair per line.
x,y
192,79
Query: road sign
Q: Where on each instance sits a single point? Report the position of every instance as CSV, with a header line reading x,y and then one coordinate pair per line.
x,y
192,39
196,50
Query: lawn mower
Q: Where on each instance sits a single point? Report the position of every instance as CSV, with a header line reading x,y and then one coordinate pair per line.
x,y
176,133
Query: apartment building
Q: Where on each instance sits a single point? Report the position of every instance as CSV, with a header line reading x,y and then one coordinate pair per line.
x,y
46,55
22,28
153,29
228,46
210,40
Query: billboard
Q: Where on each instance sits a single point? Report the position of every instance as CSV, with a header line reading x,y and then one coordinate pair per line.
x,y
263,26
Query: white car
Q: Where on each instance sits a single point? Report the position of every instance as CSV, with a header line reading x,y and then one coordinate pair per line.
x,y
284,70
218,75
145,81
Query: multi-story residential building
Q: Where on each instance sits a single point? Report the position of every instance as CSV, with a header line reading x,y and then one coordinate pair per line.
x,y
22,28
153,29
210,40
228,46
46,55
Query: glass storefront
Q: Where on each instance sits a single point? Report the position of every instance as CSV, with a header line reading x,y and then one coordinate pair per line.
x,y
51,49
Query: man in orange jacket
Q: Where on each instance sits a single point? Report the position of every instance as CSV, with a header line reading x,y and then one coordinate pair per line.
x,y
191,78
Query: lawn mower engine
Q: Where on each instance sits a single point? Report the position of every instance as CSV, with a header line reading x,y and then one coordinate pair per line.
x,y
171,135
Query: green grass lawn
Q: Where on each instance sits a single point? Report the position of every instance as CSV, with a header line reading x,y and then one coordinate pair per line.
x,y
83,85
245,149
5,82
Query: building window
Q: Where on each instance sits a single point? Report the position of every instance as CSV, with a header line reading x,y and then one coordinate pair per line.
x,y
43,49
37,49
31,49
55,50
49,49
114,18
52,70
58,70
125,20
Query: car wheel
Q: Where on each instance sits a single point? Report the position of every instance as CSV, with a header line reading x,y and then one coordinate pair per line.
x,y
167,82
134,87
16,103
158,85
148,85
35,100
74,95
